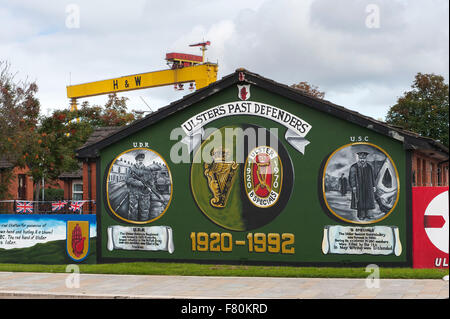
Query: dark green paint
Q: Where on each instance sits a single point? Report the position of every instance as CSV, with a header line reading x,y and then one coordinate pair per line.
x,y
303,216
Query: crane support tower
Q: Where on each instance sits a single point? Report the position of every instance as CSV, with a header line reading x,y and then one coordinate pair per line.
x,y
203,47
184,68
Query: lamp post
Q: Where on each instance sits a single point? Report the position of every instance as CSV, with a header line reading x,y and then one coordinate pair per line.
x,y
43,187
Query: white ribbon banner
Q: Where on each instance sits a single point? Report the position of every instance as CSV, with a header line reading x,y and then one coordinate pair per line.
x,y
296,127
152,238
376,240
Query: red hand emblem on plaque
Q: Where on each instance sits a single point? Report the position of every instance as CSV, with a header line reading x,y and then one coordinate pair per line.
x,y
77,241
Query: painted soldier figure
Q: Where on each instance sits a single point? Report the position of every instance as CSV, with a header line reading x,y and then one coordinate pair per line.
x,y
362,184
138,182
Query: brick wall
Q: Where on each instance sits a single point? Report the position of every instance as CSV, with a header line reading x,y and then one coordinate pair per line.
x,y
14,186
22,173
428,171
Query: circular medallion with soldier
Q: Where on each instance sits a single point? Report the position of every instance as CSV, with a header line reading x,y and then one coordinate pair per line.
x,y
241,177
138,186
360,183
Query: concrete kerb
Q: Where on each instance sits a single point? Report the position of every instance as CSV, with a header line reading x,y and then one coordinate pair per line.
x,y
102,286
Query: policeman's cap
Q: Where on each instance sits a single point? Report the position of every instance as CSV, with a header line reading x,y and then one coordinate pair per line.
x,y
362,154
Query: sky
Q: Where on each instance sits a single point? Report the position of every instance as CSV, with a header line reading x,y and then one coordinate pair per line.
x,y
363,54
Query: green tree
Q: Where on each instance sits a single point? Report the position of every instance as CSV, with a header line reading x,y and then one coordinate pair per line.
x,y
424,109
19,116
46,145
114,113
59,135
51,151
310,89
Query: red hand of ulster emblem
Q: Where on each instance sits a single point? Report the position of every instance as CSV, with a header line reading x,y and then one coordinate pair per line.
x,y
244,93
77,241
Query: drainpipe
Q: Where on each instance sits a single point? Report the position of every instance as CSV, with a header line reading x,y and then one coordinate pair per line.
x,y
89,185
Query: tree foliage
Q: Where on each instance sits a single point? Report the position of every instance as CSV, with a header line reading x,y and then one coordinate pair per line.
x,y
424,109
60,134
19,116
310,89
46,144
114,113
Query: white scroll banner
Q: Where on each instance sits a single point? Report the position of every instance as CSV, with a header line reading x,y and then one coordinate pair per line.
x,y
154,238
296,127
376,240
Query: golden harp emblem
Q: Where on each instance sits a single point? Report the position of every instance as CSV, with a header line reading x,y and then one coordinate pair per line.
x,y
220,174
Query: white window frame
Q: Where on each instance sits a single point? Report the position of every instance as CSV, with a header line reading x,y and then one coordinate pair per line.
x,y
78,182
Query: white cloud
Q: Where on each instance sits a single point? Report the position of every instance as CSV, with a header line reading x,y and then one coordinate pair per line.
x,y
323,42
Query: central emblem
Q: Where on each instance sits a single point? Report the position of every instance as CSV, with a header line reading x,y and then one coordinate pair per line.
x,y
241,176
220,174
263,176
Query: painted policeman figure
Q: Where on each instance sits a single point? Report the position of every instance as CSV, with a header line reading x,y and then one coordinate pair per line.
x,y
138,182
362,184
343,184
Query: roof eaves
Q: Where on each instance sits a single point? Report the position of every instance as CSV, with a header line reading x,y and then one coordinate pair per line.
x,y
414,140
409,139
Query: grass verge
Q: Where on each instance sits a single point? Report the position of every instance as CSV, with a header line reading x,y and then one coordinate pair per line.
x,y
188,269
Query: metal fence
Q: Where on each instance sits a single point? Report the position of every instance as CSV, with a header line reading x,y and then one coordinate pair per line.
x,y
46,207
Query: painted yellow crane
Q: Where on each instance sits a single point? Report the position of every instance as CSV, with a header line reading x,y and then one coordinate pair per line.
x,y
184,68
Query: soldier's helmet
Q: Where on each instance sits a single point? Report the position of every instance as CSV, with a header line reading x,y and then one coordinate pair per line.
x,y
139,156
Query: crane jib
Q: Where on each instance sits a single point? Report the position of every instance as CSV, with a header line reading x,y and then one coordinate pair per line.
x,y
202,75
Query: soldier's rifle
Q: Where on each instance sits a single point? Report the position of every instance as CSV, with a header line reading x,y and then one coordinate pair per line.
x,y
161,198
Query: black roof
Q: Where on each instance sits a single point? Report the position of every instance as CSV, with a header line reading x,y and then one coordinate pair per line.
x,y
78,174
410,140
100,133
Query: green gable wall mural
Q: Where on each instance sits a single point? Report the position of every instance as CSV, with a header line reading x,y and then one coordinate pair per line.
x,y
249,170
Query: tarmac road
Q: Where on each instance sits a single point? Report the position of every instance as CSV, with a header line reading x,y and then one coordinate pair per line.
x,y
81,286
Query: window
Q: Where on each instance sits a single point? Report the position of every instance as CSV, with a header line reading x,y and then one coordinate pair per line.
x,y
22,187
77,191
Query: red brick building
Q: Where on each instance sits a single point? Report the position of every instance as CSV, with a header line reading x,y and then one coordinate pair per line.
x,y
21,185
429,169
73,184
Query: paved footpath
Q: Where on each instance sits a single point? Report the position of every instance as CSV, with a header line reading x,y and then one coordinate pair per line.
x,y
61,285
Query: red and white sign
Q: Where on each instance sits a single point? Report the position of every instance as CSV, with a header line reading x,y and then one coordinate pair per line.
x,y
430,227
244,92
